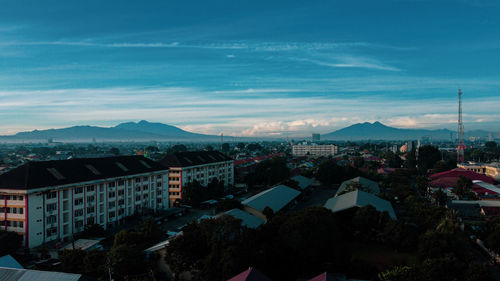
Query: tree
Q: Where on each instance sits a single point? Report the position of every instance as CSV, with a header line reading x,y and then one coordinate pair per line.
x,y
72,260
463,187
127,260
226,205
215,188
428,155
92,230
10,242
358,161
268,212
94,263
254,146
225,147
150,231
175,149
114,151
193,193
399,273
209,148
240,146
393,160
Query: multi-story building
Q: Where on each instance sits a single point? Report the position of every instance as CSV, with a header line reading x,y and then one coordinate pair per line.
x,y
492,170
314,150
52,200
201,166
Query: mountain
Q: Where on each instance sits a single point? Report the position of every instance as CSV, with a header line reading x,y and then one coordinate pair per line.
x,y
131,131
379,131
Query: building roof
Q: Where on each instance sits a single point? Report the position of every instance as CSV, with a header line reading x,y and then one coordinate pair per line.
x,y
359,198
84,244
15,274
38,174
457,172
250,274
10,262
490,211
303,181
247,219
493,189
366,183
193,158
275,198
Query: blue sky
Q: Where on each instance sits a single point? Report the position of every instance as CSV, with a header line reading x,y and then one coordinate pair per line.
x,y
253,68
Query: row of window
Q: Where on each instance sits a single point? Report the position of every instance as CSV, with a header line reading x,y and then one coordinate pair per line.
x,y
174,193
11,210
14,197
14,223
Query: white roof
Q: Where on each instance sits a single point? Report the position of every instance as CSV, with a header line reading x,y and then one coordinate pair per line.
x,y
366,183
303,181
275,198
486,185
359,198
162,244
14,274
10,262
247,219
83,244
482,203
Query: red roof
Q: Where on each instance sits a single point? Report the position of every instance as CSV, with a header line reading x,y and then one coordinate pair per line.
x,y
250,274
457,172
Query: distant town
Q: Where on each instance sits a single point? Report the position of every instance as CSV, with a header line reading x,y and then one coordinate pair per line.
x,y
281,210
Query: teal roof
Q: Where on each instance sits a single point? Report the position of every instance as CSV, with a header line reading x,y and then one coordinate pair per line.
x,y
275,198
359,198
10,262
303,181
247,219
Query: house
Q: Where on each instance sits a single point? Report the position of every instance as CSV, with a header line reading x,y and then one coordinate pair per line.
x,y
368,185
469,211
358,199
303,182
276,198
10,262
16,274
247,219
251,274
201,166
52,200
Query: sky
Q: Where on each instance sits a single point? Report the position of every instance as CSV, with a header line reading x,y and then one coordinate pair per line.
x,y
249,68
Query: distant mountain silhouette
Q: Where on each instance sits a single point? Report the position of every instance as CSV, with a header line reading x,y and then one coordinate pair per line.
x,y
131,131
379,131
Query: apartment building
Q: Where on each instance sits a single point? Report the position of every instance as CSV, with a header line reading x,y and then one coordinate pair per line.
x,y
51,200
314,150
202,166
491,170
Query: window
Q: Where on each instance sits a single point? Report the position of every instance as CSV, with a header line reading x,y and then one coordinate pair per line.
x,y
90,209
158,177
51,231
121,182
90,188
21,224
111,184
78,190
111,194
78,201
78,223
78,212
111,214
51,195
91,220
137,198
90,198
121,192
137,188
145,179
158,184
121,202
111,204
14,210
137,180
144,187
51,219
52,207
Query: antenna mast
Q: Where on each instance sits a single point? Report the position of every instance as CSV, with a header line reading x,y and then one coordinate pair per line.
x,y
460,131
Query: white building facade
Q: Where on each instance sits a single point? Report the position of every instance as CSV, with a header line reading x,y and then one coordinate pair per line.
x,y
201,166
315,150
113,188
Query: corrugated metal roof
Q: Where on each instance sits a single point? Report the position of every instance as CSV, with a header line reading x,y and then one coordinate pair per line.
x,y
247,219
14,274
275,198
366,183
359,198
303,181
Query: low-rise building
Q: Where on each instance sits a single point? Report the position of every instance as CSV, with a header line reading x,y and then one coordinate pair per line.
x,y
314,150
52,200
201,166
276,198
366,184
358,199
491,170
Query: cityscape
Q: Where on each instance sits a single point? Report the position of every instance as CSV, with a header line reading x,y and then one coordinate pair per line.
x,y
249,140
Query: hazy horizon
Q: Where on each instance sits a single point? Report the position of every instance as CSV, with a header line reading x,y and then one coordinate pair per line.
x,y
249,68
